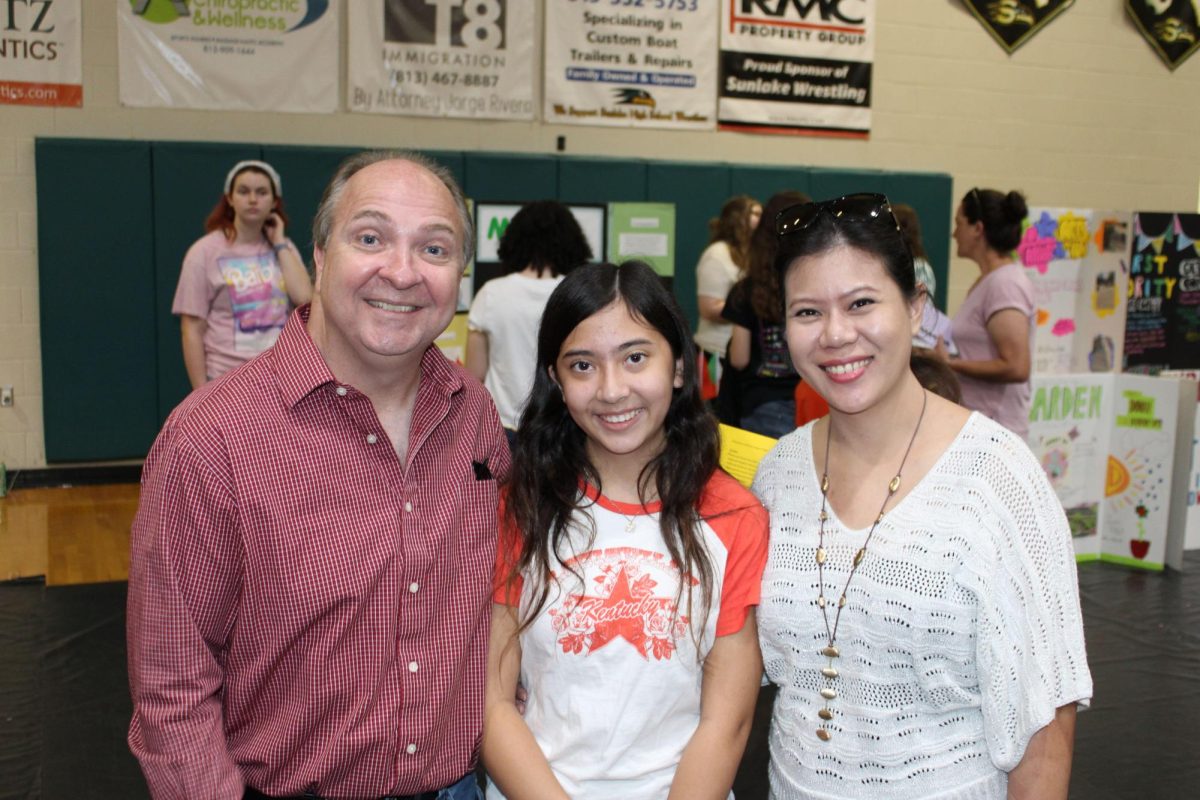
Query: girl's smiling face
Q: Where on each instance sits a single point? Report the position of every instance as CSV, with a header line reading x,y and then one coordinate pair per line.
x,y
618,376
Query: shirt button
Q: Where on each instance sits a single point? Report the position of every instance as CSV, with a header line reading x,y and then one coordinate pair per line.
x,y
412,666
341,391
371,438
412,748
413,587
408,506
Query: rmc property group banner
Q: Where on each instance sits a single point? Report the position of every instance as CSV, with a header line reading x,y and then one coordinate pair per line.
x,y
442,58
796,66
249,55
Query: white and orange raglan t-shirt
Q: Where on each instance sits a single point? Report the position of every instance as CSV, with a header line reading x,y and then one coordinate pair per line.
x,y
612,666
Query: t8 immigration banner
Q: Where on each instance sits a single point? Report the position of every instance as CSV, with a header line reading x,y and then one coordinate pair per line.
x,y
40,62
643,65
796,66
252,55
442,58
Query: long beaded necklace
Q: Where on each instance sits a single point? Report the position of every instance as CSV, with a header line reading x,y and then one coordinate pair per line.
x,y
830,650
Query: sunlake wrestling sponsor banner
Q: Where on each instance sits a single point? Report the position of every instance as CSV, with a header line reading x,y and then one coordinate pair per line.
x,y
442,58
796,66
251,55
40,62
1012,22
1172,27
643,65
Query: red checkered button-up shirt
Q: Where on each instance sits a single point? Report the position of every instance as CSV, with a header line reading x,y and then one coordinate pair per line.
x,y
306,613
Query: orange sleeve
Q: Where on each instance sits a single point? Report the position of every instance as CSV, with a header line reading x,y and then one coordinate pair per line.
x,y
742,525
506,585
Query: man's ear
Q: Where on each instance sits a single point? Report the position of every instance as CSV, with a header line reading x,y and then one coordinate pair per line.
x,y
318,267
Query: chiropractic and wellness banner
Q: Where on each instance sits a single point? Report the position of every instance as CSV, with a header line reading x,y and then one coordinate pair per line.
x,y
1012,23
442,58
1172,27
251,55
40,63
796,67
641,66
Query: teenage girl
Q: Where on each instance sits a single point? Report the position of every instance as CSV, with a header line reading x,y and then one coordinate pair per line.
x,y
629,564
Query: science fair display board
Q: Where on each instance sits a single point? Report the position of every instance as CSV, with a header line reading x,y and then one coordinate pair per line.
x,y
1116,448
1162,322
1191,539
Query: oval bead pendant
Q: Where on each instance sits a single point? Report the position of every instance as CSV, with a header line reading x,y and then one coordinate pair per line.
x,y
842,601
858,557
828,694
820,555
825,714
830,651
823,735
894,486
829,672
823,516
824,484
821,601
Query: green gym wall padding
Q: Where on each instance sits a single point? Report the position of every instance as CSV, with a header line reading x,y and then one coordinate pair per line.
x,y
112,363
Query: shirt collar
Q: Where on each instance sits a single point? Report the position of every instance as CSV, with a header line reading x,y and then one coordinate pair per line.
x,y
300,368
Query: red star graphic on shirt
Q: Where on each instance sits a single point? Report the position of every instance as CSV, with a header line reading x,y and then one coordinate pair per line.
x,y
620,615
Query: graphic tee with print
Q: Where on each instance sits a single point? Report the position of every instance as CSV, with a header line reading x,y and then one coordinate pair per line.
x,y
611,664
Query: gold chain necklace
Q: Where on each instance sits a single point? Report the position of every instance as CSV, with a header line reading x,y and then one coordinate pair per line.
x,y
830,650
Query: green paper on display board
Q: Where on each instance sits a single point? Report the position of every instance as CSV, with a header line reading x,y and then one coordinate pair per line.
x,y
643,231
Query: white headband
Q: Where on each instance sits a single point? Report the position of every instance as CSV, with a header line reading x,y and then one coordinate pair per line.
x,y
262,165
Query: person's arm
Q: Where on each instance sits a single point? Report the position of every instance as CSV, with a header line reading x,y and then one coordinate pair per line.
x,y
710,307
739,347
192,330
477,354
1009,330
510,753
184,583
1044,772
295,274
732,674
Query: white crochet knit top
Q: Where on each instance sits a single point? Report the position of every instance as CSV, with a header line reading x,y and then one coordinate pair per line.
x,y
960,637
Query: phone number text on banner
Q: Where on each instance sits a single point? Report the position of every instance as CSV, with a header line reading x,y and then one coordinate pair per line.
x,y
796,67
647,65
442,59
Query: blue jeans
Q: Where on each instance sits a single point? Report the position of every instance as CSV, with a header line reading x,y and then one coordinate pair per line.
x,y
773,418
466,789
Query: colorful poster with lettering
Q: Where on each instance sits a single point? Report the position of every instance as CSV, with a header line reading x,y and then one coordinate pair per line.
x,y
1078,262
796,67
1162,323
41,60
643,65
1171,27
1070,418
1137,493
441,58
645,232
1012,24
1192,492
247,56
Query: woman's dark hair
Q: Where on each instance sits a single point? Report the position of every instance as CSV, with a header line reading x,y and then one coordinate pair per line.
x,y
733,228
1001,214
910,228
766,291
546,236
878,236
221,216
935,374
550,455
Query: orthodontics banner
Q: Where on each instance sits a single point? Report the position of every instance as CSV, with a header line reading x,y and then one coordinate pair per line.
x,y
251,55
648,65
796,67
442,58
40,54
1012,23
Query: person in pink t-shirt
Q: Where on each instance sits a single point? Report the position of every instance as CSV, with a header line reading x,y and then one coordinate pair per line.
x,y
239,281
993,328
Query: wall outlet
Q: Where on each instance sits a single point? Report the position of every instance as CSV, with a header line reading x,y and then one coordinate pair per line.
x,y
6,396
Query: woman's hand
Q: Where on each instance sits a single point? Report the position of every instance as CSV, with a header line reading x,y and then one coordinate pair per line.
x,y
273,227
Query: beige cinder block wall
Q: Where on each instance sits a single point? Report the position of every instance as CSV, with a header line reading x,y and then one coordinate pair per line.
x,y
1084,114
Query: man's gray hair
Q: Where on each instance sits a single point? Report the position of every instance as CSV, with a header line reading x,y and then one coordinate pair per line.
x,y
323,221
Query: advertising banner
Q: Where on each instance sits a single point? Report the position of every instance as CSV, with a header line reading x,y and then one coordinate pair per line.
x,y
796,67
637,66
40,58
1162,322
1171,27
1078,263
643,231
231,55
1012,24
441,58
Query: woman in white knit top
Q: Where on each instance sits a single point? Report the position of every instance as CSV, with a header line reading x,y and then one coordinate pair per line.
x,y
925,630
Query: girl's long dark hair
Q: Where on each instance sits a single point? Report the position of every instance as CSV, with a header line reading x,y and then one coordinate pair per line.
x,y
550,455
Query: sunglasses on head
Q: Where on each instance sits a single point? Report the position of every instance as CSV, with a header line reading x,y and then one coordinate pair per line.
x,y
861,207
